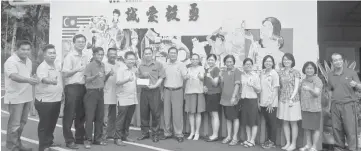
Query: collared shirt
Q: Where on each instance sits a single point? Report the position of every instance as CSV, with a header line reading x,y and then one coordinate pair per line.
x,y
194,84
110,84
208,81
155,70
126,93
342,91
174,74
72,61
92,69
48,92
269,81
309,102
248,91
230,79
16,93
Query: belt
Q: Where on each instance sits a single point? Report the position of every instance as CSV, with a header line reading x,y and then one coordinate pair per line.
x,y
147,89
173,89
96,89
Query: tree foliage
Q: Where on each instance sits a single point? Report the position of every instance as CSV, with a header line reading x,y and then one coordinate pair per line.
x,y
25,22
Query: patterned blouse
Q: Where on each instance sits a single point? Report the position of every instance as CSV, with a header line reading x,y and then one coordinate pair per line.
x,y
287,85
309,102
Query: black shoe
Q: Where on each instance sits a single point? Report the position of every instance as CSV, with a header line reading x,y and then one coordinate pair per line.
x,y
164,137
55,145
72,145
79,142
119,142
155,139
99,143
180,139
143,137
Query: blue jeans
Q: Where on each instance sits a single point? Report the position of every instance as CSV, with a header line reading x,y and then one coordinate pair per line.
x,y
17,120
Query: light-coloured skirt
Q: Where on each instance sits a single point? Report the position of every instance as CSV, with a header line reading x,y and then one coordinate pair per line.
x,y
287,113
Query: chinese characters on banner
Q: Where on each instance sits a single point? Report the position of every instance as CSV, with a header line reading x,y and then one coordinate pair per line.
x,y
171,14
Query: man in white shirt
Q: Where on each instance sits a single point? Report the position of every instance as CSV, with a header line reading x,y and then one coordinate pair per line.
x,y
110,101
48,97
18,93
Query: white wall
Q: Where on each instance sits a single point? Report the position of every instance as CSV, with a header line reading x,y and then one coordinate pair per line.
x,y
212,16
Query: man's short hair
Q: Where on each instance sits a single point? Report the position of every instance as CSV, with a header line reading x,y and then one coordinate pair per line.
x,y
129,53
112,49
97,49
172,48
335,54
47,47
148,48
21,43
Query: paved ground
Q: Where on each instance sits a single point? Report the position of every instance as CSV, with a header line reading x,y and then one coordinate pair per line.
x,y
30,139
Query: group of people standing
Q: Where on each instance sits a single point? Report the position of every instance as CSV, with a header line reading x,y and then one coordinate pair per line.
x,y
104,94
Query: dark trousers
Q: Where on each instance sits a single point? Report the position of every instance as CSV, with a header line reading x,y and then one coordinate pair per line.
x,y
110,113
271,123
94,114
150,103
74,111
124,117
17,120
344,123
48,117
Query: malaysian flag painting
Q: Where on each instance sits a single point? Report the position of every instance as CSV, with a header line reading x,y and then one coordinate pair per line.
x,y
72,24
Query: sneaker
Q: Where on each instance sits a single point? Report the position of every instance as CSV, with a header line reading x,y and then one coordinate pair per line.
x,y
87,145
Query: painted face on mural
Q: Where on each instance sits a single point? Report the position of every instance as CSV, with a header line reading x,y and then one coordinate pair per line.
x,y
266,30
134,41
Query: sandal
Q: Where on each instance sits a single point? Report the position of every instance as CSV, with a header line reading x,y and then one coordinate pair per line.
x,y
244,143
226,140
233,143
249,144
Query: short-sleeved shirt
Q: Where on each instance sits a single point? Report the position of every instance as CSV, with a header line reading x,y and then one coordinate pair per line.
x,y
269,81
110,84
48,92
72,61
310,102
155,70
342,92
174,74
249,91
92,69
194,84
287,83
17,93
127,93
230,79
208,81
